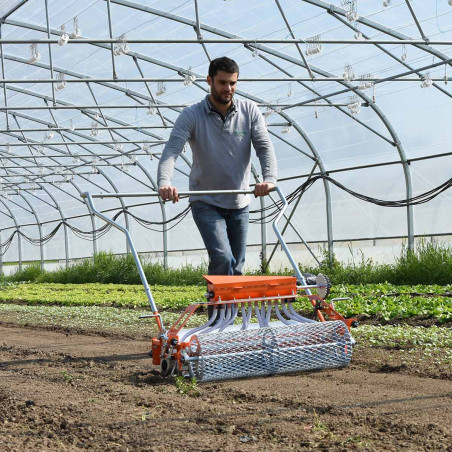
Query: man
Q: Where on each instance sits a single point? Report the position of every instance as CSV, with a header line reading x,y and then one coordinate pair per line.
x,y
220,131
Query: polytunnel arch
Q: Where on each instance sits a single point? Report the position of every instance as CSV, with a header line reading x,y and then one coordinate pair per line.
x,y
106,177
202,23
57,207
309,143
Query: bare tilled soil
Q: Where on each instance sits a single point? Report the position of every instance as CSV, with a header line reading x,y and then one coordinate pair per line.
x,y
65,391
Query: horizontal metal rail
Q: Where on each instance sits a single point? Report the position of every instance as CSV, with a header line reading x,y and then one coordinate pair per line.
x,y
398,42
201,80
181,193
48,141
78,128
100,128
76,155
65,165
372,165
386,79
157,106
249,300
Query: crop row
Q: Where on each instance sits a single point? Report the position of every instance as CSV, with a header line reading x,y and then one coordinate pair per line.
x,y
95,294
90,318
375,300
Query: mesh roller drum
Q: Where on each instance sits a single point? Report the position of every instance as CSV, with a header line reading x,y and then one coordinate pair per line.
x,y
270,350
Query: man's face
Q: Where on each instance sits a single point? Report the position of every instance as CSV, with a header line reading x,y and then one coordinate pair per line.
x,y
222,86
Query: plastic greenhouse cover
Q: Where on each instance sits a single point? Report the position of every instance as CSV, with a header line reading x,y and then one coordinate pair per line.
x,y
109,133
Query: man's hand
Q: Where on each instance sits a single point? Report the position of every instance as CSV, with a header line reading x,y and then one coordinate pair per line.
x,y
168,192
263,189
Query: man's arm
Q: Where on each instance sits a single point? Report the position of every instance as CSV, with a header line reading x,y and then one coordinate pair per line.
x,y
180,134
173,148
265,153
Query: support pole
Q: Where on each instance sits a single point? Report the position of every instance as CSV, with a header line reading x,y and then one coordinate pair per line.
x,y
50,50
3,75
110,29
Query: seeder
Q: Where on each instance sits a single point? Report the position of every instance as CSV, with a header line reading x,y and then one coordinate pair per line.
x,y
272,338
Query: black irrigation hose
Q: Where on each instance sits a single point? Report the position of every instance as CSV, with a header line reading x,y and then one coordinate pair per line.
x,y
270,212
145,223
7,243
93,234
96,233
420,199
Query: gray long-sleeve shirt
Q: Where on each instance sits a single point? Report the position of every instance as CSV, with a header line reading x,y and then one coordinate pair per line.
x,y
221,150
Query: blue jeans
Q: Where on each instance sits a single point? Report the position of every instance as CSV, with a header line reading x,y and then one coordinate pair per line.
x,y
224,232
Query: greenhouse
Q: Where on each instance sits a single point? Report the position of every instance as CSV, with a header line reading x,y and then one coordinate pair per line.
x,y
130,319
356,98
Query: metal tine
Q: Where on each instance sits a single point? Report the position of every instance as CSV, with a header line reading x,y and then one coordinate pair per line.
x,y
259,314
263,309
228,316
281,318
256,310
263,312
290,315
245,318
293,315
286,312
268,313
235,310
246,315
225,320
298,316
202,327
233,314
219,321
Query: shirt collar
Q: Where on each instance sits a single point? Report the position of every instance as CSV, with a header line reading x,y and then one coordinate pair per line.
x,y
211,108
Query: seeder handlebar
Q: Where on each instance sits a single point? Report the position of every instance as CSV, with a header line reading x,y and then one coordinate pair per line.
x,y
181,193
89,200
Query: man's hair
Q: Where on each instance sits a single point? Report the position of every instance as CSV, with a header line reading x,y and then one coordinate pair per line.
x,y
223,64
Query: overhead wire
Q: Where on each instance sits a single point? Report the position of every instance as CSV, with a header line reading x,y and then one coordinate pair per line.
x,y
94,234
423,198
263,215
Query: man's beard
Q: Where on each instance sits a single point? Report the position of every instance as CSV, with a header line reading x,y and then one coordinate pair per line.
x,y
218,97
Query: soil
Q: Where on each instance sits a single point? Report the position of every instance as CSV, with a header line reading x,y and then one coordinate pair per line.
x,y
64,391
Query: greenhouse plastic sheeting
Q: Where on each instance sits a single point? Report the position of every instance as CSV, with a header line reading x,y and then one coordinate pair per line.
x,y
349,89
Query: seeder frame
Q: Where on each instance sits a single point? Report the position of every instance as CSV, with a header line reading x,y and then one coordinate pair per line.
x,y
176,349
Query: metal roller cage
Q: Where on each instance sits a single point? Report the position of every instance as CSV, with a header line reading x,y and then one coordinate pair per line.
x,y
269,351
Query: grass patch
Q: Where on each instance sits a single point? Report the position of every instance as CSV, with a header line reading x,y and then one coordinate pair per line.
x,y
107,268
429,263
